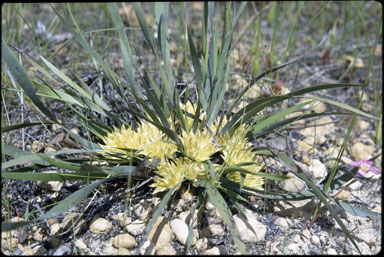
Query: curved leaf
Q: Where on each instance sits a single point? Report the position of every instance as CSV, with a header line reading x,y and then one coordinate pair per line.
x,y
157,214
61,207
23,80
23,125
218,201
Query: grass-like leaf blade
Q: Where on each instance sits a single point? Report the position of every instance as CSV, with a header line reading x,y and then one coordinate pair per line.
x,y
218,201
23,80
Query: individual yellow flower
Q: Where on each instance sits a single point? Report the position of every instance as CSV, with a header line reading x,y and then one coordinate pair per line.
x,y
126,137
199,146
194,170
238,140
155,143
250,180
147,140
170,174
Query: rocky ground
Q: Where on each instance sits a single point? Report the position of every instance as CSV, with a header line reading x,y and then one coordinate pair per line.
x,y
104,227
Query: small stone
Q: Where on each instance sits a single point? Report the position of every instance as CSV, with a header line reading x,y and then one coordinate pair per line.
x,y
322,127
250,230
124,241
80,244
123,221
317,170
52,221
305,159
100,226
167,250
67,221
319,107
217,250
315,240
180,229
136,227
369,236
53,186
109,250
294,248
161,234
123,251
179,205
343,195
216,229
283,222
363,152
37,146
201,244
75,131
27,252
186,217
63,250
143,209
331,251
39,250
50,149
209,206
306,233
56,127
156,201
39,235
55,229
292,184
304,147
296,239
362,125
355,186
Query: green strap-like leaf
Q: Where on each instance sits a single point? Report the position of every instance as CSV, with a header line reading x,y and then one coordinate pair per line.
x,y
61,207
157,213
22,125
262,103
218,201
124,43
271,128
143,24
23,80
81,40
341,105
259,126
234,168
50,176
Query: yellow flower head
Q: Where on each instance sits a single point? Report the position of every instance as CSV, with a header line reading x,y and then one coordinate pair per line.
x,y
170,174
147,140
250,180
199,146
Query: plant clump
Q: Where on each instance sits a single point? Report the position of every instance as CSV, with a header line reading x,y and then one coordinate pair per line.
x,y
199,147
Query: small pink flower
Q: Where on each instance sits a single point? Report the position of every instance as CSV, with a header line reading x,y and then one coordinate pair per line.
x,y
364,168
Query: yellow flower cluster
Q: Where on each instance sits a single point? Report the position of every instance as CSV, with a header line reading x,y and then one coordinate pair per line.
x,y
198,148
174,171
147,140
